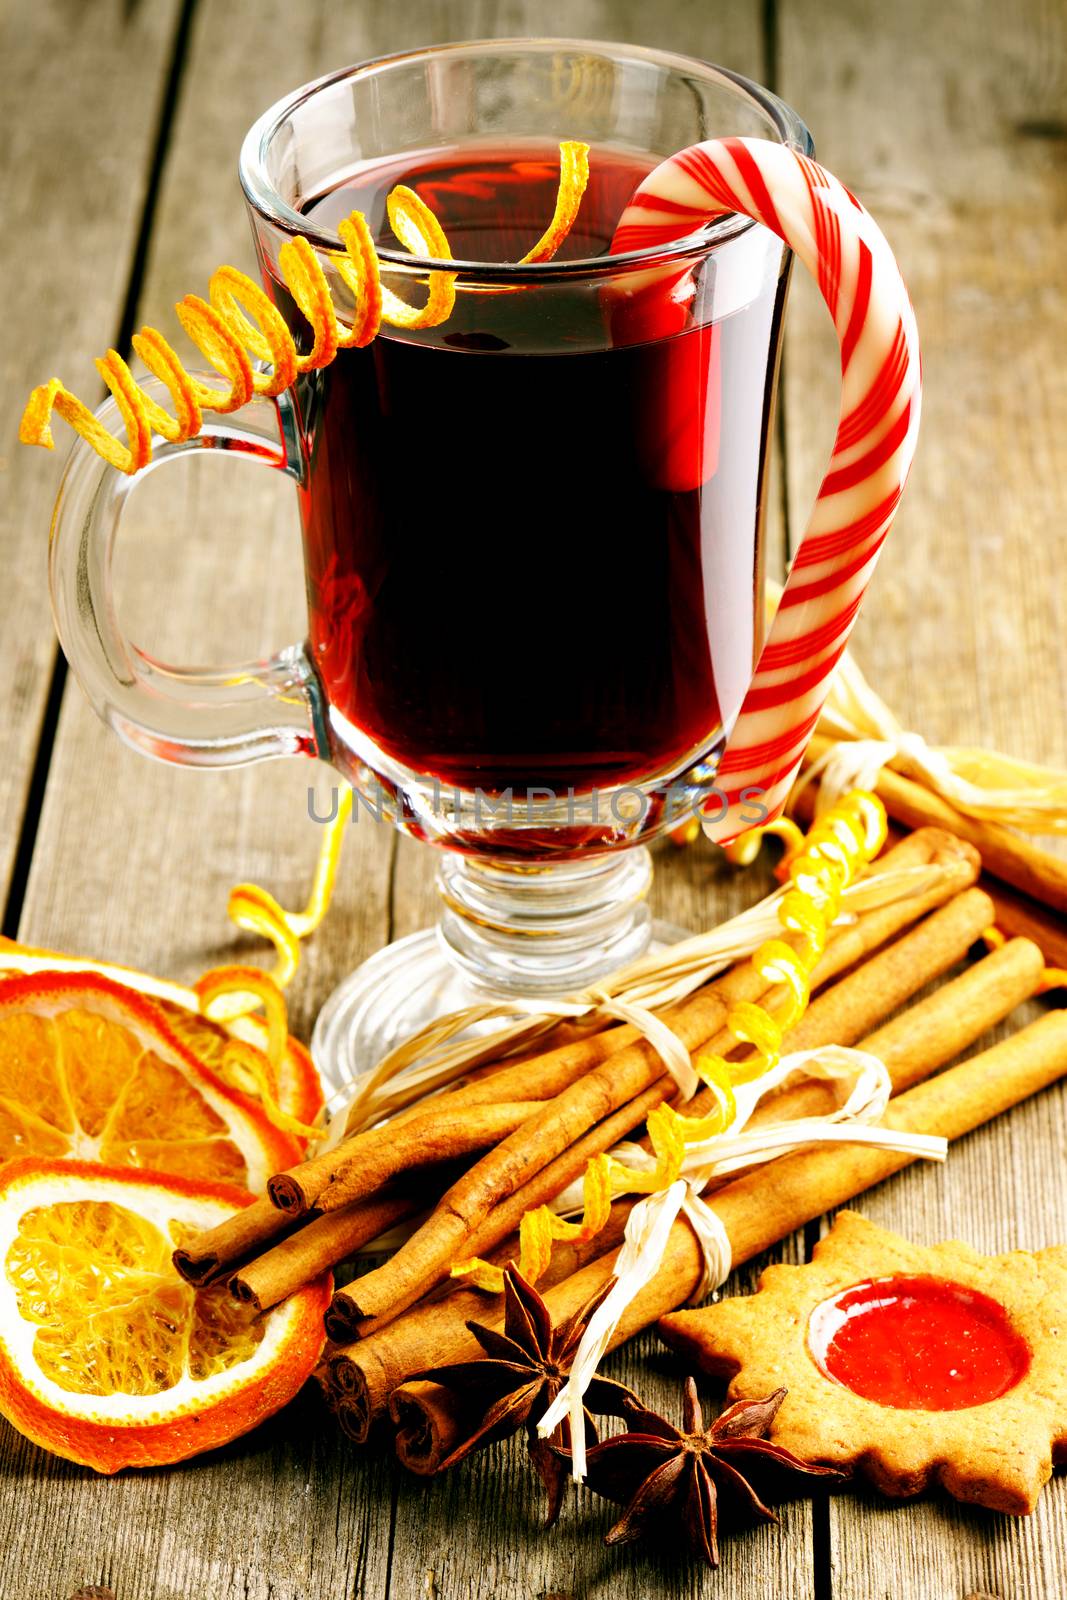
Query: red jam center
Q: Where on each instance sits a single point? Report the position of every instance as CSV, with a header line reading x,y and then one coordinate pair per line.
x,y
918,1344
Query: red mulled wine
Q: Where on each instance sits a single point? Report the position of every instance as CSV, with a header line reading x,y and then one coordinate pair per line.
x,y
533,533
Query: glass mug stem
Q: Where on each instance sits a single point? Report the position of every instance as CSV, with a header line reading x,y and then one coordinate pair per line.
x,y
544,930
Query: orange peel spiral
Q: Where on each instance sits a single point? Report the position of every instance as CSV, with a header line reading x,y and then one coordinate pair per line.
x,y
239,322
226,992
819,866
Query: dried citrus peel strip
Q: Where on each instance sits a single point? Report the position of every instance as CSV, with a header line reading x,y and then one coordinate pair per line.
x,y
573,179
255,910
217,991
743,850
820,866
1051,978
225,335
420,232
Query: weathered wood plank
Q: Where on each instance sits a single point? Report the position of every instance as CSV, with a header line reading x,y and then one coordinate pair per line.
x,y
957,148
318,1523
90,80
134,862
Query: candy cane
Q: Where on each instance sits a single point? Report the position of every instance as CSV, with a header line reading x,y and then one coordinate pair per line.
x,y
845,251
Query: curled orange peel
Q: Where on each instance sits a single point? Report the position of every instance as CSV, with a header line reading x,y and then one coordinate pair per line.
x,y
743,850
819,865
219,991
1051,978
573,178
255,910
238,322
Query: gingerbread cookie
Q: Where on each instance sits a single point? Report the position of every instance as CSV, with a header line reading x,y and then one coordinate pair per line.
x,y
908,1363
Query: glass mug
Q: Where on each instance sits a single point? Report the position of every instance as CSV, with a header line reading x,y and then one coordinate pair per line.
x,y
532,534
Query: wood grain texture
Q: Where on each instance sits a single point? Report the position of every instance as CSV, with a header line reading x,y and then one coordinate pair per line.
x,y
949,123
134,862
88,83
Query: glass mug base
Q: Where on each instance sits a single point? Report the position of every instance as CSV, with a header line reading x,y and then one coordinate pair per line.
x,y
418,979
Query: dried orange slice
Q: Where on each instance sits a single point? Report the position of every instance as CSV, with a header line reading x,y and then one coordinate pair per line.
x,y
299,1088
92,1070
106,1356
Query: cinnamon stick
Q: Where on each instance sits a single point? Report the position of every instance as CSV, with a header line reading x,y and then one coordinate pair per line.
x,y
874,988
854,942
342,1318
1017,914
1007,855
927,1035
430,1418
950,1020
848,1010
321,1376
317,1247
539,1077
425,1257
424,1142
364,1375
1022,917
763,1206
212,1253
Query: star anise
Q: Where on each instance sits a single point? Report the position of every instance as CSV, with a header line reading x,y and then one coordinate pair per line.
x,y
524,1369
661,1473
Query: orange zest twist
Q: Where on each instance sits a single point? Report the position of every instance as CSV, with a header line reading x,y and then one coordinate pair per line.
x,y
255,910
573,179
227,992
1051,978
221,329
824,862
742,851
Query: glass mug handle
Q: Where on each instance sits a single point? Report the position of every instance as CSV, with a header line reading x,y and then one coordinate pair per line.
x,y
220,717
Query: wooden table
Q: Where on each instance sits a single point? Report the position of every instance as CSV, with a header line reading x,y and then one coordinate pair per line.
x,y
121,126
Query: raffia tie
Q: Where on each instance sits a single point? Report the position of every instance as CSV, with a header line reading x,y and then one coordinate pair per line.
x,y
979,783
651,1220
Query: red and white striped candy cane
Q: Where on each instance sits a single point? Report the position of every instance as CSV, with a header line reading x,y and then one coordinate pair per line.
x,y
845,251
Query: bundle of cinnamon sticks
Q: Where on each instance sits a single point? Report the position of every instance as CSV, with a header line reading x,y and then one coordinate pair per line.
x,y
1028,885
463,1168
